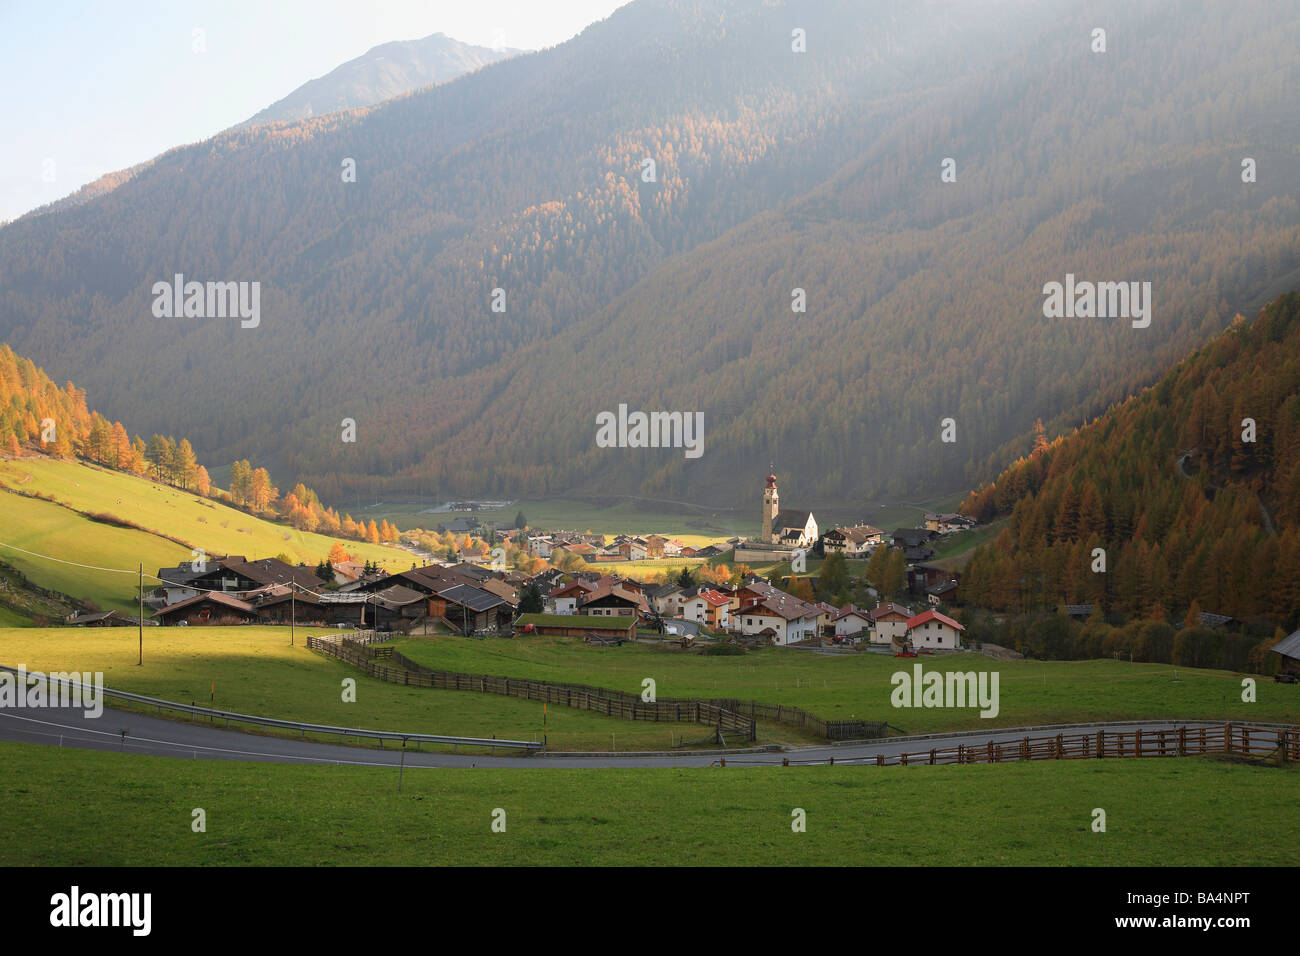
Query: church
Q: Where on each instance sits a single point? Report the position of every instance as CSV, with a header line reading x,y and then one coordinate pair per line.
x,y
789,527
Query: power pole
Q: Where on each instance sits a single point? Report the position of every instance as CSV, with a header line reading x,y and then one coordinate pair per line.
x,y
139,614
293,598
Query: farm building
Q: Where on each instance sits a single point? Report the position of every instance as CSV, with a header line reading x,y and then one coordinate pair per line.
x,y
575,625
1289,650
211,607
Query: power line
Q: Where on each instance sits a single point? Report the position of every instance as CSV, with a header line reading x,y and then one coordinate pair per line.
x,y
76,564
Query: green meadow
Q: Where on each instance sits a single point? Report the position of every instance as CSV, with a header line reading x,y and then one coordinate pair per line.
x,y
858,685
255,671
84,808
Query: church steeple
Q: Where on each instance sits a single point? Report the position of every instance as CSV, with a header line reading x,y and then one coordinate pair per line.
x,y
771,508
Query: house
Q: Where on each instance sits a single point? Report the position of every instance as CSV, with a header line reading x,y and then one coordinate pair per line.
x,y
931,630
945,593
1289,650
853,541
790,619
851,620
564,597
663,598
708,607
345,572
912,537
889,623
948,523
502,590
209,608
610,600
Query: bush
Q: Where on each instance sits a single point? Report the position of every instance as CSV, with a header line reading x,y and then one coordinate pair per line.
x,y
724,650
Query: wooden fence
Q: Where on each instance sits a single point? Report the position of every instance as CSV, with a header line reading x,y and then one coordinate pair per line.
x,y
1283,744
402,670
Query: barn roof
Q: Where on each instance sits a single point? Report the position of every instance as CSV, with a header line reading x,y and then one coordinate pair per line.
x,y
1289,646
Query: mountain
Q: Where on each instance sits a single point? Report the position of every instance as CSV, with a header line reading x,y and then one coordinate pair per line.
x,y
381,73
773,170
1192,488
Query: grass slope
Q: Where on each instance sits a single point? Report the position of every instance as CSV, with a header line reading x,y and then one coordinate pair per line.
x,y
82,808
46,528
257,672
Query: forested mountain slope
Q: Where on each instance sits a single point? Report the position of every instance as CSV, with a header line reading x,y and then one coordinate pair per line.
x,y
1188,509
774,170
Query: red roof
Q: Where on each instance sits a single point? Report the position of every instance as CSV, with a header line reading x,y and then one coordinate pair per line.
x,y
714,598
933,616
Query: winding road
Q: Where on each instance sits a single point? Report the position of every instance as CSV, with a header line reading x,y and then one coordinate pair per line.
x,y
129,732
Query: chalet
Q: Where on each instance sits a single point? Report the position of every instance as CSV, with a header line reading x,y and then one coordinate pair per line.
x,y
826,617
211,607
912,537
931,630
610,600
708,607
851,620
852,541
790,619
922,576
889,623
663,598
502,590
565,597
948,523
471,610
945,593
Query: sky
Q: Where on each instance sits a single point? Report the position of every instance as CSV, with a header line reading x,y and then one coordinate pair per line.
x,y
94,87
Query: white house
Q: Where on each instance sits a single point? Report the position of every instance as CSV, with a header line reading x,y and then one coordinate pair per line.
x,y
889,623
850,620
790,619
932,631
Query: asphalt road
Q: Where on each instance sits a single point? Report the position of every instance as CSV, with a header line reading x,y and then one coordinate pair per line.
x,y
167,738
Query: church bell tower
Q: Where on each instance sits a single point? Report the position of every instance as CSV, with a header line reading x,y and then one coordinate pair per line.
x,y
771,508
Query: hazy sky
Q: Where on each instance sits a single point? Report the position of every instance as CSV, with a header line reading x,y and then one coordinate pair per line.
x,y
99,86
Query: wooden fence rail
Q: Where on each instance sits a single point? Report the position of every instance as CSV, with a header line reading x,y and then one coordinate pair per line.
x,y
1181,742
402,670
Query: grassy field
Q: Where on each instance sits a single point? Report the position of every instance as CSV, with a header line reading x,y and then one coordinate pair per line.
x,y
47,528
52,529
257,672
81,808
669,566
858,685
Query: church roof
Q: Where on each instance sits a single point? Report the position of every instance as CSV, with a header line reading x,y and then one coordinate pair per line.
x,y
791,518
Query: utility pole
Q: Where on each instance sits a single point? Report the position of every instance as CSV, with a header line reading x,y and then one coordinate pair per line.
x,y
293,598
139,618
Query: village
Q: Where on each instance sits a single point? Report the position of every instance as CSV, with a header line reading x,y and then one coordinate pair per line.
x,y
547,586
